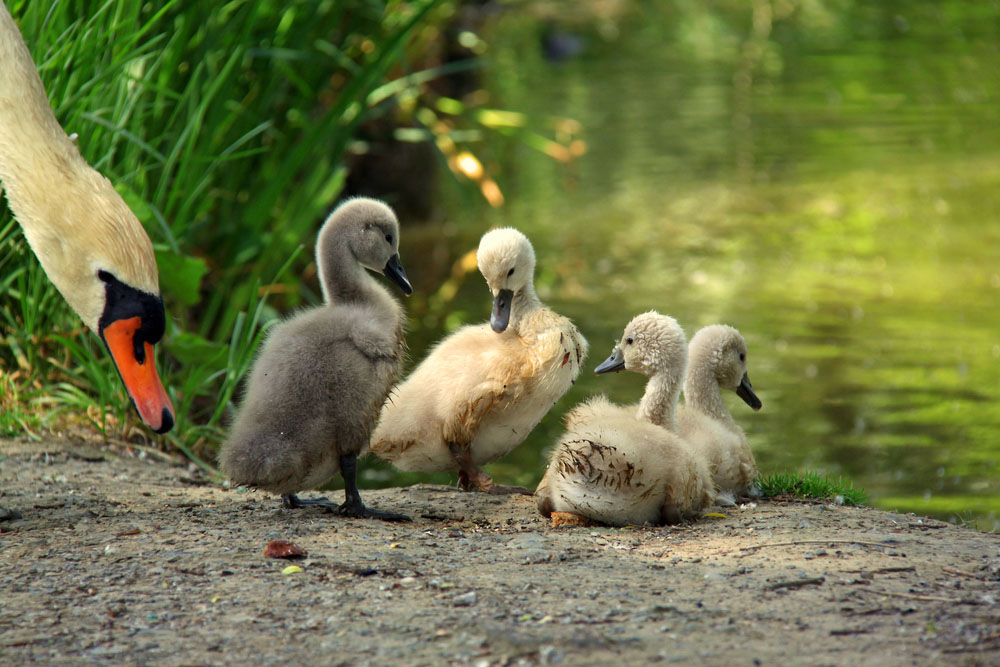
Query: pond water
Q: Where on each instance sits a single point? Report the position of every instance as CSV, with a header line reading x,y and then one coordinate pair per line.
x,y
824,177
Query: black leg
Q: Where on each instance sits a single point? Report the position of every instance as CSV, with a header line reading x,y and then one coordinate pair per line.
x,y
352,504
293,502
9,515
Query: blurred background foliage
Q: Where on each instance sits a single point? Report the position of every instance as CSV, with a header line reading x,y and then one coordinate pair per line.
x,y
819,173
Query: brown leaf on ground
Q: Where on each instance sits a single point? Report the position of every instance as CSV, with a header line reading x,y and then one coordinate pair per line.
x,y
283,549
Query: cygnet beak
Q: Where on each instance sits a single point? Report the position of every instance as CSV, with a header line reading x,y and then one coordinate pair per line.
x,y
613,364
500,317
394,271
745,391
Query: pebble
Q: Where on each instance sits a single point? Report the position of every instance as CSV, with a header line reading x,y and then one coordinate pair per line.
x,y
550,655
528,541
535,556
465,599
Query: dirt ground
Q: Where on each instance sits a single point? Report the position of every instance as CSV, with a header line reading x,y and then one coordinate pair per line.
x,y
138,560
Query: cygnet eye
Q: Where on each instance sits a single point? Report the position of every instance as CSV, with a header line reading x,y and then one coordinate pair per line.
x,y
629,341
388,237
743,357
510,273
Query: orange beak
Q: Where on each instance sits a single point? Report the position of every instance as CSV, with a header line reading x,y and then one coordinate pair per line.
x,y
141,380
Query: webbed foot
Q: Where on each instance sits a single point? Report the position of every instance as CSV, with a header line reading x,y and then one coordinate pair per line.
x,y
359,511
353,506
472,478
292,501
571,519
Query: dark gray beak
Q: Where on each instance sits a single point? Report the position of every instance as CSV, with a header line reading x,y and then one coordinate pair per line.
x,y
613,364
500,317
745,391
394,271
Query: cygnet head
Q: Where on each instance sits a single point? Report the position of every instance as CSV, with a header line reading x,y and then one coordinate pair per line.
x,y
507,261
652,343
370,231
723,351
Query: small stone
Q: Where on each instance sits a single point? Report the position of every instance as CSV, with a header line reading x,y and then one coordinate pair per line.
x,y
550,655
528,541
465,599
535,556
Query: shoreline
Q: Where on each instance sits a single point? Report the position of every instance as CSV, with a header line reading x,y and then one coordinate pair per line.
x,y
123,558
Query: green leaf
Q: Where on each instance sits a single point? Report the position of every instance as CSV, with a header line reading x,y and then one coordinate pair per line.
x,y
180,276
192,350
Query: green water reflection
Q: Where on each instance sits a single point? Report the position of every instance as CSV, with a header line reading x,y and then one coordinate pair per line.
x,y
826,182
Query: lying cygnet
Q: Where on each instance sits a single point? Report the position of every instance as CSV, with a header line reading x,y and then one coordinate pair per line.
x,y
322,376
619,466
718,360
482,389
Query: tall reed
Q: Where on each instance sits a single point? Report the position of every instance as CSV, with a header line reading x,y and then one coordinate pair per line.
x,y
224,126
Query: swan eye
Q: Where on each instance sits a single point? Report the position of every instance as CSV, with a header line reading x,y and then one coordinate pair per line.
x,y
743,357
510,273
629,341
388,237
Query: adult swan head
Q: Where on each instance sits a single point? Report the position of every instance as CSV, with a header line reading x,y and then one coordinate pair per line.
x,y
88,241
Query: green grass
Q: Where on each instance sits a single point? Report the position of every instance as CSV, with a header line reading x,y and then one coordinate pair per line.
x,y
811,485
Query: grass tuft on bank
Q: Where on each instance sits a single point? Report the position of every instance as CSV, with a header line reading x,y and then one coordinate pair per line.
x,y
811,485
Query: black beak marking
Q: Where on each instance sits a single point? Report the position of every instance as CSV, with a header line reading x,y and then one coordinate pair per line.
x,y
394,271
500,317
613,364
745,391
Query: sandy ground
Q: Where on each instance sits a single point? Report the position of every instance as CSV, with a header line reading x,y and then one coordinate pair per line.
x,y
141,561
